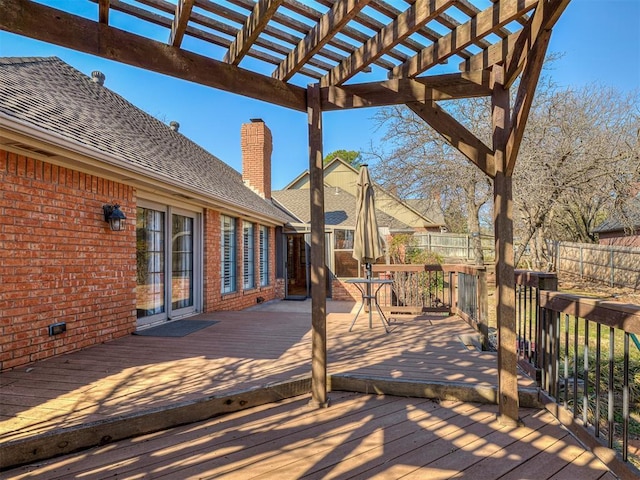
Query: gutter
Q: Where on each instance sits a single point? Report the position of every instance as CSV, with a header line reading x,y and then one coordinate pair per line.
x,y
94,161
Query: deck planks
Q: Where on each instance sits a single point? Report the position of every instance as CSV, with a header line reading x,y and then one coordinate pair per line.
x,y
359,436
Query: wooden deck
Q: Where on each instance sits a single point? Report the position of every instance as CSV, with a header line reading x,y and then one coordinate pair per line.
x,y
359,436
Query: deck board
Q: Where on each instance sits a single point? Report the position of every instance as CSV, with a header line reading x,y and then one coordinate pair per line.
x,y
359,436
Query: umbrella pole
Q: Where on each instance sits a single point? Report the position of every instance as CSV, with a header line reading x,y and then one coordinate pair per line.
x,y
368,274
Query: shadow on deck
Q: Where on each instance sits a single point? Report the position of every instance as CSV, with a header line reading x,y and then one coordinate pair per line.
x,y
260,358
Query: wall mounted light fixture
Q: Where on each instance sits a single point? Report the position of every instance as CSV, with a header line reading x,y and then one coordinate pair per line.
x,y
114,216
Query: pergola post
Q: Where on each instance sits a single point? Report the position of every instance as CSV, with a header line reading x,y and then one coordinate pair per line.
x,y
319,397
503,230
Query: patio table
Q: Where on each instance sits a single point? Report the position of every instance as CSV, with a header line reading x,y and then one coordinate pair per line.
x,y
364,285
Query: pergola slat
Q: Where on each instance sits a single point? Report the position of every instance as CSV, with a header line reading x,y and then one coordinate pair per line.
x,y
179,25
255,23
215,39
330,24
486,22
103,11
404,25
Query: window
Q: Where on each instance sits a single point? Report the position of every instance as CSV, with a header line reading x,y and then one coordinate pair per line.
x,y
345,264
248,256
264,256
228,254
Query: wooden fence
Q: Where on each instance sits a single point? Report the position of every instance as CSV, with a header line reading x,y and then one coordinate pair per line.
x,y
454,245
611,265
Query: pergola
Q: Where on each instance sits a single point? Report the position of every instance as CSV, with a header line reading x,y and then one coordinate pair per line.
x,y
313,56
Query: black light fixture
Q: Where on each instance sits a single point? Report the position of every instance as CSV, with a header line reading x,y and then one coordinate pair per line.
x,y
114,216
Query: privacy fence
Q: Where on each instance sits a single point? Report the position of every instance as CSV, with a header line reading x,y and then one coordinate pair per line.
x,y
454,245
611,265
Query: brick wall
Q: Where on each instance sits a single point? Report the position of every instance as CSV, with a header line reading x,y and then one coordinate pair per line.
x,y
257,145
341,291
214,300
60,262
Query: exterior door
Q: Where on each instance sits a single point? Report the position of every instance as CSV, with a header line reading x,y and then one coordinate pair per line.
x,y
298,266
168,253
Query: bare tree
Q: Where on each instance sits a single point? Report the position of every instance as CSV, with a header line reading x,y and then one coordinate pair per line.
x,y
417,162
578,162
575,162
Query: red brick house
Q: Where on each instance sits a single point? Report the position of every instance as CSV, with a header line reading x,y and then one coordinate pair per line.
x,y
196,238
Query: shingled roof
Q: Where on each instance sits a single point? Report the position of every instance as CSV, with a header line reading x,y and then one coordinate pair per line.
x,y
50,95
339,208
626,221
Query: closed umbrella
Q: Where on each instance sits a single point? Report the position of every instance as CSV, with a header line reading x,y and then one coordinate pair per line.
x,y
367,244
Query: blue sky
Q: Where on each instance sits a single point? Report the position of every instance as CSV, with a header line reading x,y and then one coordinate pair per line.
x,y
600,40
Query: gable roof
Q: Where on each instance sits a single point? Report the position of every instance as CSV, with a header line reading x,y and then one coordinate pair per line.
x,y
53,97
339,208
416,208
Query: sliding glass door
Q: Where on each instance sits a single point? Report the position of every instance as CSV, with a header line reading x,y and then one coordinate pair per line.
x,y
167,247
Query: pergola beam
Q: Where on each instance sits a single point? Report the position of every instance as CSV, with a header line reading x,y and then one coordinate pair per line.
x,y
524,98
408,22
255,24
180,21
456,135
488,21
322,32
402,91
546,15
24,17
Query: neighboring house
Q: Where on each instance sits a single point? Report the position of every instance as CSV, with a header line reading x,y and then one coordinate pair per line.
x,y
196,238
338,173
394,217
622,232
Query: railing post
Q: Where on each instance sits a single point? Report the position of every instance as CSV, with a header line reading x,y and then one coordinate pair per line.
x,y
547,282
483,307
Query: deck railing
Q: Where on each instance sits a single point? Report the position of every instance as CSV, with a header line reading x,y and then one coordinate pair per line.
x,y
457,289
588,366
528,286
415,288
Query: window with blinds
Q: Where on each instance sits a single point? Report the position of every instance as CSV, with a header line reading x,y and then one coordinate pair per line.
x,y
264,256
248,256
228,254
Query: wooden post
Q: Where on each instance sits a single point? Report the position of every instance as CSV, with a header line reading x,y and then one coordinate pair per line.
x,y
483,307
319,397
505,271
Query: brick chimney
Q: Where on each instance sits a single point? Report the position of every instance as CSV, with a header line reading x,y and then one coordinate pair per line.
x,y
257,145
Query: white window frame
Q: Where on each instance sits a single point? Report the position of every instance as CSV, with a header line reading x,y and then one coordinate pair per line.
x,y
248,256
264,256
228,281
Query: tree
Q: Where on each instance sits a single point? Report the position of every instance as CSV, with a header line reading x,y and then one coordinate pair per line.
x,y
576,164
352,157
416,162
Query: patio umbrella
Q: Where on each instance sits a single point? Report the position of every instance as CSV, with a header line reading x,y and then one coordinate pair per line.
x,y
367,244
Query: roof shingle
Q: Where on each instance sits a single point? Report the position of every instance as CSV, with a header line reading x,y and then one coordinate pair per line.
x,y
51,95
